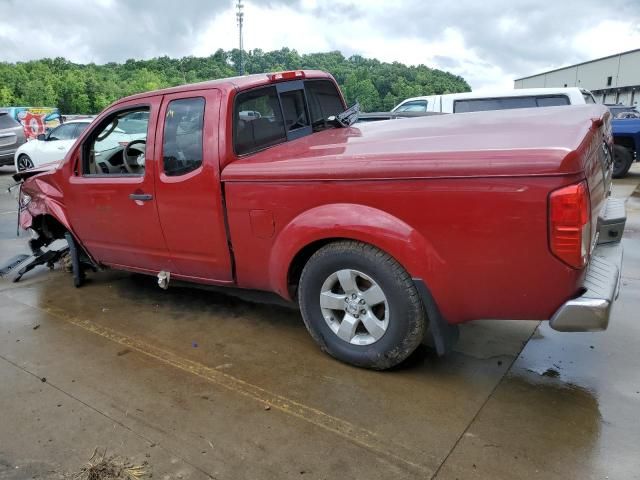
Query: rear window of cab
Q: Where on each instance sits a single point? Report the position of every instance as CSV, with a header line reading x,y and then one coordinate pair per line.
x,y
274,114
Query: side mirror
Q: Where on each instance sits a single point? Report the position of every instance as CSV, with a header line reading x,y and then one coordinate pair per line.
x,y
41,137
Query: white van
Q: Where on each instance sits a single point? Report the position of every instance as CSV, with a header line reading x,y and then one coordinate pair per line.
x,y
499,100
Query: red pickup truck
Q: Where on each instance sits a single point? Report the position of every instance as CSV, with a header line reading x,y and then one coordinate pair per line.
x,y
385,233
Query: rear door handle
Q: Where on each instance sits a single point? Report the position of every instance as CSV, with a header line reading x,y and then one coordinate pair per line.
x,y
143,197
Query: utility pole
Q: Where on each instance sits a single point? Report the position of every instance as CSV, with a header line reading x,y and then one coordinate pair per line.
x,y
240,18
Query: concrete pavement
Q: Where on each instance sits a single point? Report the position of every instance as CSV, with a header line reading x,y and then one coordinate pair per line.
x,y
205,385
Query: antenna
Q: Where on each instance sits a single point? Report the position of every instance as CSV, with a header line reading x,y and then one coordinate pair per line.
x,y
240,18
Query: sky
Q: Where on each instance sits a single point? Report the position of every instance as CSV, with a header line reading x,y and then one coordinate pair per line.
x,y
490,42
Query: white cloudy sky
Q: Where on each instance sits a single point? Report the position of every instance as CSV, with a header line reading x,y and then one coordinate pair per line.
x,y
488,42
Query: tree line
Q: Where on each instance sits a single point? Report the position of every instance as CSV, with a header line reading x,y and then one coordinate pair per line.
x,y
79,88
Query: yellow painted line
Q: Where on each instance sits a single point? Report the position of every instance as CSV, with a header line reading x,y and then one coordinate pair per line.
x,y
389,450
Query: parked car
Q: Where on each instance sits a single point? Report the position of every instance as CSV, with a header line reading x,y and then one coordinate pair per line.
x,y
11,137
625,125
49,147
53,146
626,136
623,111
381,232
497,100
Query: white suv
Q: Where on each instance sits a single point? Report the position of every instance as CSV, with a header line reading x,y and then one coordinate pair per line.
x,y
499,100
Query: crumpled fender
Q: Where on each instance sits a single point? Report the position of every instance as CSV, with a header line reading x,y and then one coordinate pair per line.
x,y
46,199
355,222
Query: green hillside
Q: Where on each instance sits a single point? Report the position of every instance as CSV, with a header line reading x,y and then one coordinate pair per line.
x,y
78,88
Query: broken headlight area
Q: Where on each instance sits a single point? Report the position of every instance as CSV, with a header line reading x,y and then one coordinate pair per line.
x,y
24,201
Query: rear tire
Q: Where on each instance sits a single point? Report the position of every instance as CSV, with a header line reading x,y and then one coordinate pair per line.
x,y
24,162
361,285
622,160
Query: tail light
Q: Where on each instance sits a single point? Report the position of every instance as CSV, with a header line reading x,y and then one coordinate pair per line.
x,y
570,224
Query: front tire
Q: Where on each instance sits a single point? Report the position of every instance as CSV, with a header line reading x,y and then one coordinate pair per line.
x,y
622,160
361,306
24,162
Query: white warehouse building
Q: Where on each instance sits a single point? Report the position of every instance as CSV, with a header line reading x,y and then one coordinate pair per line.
x,y
612,79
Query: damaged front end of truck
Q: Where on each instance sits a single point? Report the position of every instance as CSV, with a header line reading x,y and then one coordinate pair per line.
x,y
41,212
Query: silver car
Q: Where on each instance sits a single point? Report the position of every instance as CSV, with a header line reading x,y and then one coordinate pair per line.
x,y
11,137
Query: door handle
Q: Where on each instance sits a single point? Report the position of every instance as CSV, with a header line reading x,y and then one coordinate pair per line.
x,y
60,148
143,197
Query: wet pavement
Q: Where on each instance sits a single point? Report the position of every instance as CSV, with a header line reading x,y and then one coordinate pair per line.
x,y
206,385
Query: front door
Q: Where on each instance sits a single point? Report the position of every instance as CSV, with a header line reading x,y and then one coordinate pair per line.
x,y
188,190
111,194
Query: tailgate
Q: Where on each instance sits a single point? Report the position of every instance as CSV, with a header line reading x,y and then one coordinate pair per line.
x,y
599,171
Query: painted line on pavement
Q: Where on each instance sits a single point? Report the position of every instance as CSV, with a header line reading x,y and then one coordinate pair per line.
x,y
389,450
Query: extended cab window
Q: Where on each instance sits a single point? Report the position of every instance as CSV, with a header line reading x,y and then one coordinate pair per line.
x,y
117,145
257,120
182,143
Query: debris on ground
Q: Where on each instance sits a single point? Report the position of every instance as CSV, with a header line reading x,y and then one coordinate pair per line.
x,y
103,467
551,372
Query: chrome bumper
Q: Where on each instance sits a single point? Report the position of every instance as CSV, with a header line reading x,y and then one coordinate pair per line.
x,y
590,311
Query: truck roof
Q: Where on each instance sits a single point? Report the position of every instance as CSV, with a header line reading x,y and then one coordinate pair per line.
x,y
226,84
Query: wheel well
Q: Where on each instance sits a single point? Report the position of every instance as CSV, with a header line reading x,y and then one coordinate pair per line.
x,y
48,227
300,260
627,142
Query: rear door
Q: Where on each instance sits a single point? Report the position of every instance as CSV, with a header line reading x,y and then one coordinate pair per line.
x,y
188,188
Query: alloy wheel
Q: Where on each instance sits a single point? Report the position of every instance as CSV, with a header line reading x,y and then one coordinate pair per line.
x,y
355,307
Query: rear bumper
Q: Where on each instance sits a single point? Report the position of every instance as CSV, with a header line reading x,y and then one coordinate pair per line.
x,y
590,312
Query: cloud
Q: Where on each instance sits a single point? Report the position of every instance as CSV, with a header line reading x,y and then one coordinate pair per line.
x,y
103,31
489,43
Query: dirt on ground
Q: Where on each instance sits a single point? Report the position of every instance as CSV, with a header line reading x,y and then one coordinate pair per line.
x,y
112,467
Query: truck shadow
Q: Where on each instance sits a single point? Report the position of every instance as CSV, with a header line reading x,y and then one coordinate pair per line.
x,y
263,320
